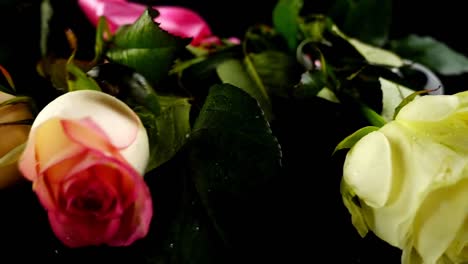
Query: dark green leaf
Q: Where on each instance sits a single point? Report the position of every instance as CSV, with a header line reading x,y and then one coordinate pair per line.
x,y
168,131
431,53
78,80
46,15
201,68
366,20
235,72
5,89
102,32
372,116
277,71
146,34
314,27
126,84
145,47
259,38
234,156
373,54
192,238
154,64
311,84
286,20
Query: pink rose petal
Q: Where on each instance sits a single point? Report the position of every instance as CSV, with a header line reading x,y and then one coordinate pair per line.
x,y
46,186
27,163
139,217
87,135
179,21
80,231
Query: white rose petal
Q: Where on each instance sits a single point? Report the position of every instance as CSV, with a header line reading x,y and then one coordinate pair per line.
x,y
112,115
368,169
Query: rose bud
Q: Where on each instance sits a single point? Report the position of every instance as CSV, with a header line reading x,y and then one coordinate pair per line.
x,y
86,156
13,135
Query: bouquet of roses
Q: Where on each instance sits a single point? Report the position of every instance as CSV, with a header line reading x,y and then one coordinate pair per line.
x,y
174,145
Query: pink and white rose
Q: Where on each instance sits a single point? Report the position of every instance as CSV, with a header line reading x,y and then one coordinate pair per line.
x,y
86,154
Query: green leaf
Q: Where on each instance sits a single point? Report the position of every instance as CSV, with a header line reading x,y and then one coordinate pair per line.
x,y
192,238
18,100
392,96
235,72
102,32
233,156
372,116
277,71
168,131
145,47
350,201
154,64
12,156
313,28
373,54
78,80
145,33
352,139
126,84
6,89
312,82
366,20
46,15
286,20
431,53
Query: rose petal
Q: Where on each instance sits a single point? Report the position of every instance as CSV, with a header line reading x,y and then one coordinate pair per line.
x,y
124,184
429,108
52,144
440,217
112,10
86,134
108,113
113,116
5,96
14,112
183,22
133,224
87,186
136,221
80,231
27,162
176,20
368,169
48,186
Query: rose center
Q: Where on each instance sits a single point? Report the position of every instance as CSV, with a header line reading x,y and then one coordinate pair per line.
x,y
89,201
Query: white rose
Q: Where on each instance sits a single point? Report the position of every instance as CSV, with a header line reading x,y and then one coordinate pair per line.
x,y
411,178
